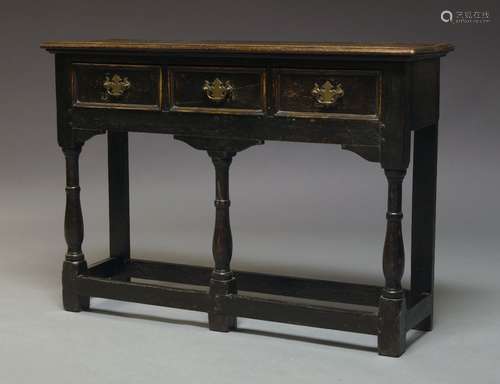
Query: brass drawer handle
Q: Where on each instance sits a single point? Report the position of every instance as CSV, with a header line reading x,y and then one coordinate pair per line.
x,y
116,86
217,90
327,94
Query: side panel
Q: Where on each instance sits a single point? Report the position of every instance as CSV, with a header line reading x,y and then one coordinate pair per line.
x,y
425,94
396,134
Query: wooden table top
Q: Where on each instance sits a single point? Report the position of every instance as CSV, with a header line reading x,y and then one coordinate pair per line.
x,y
253,47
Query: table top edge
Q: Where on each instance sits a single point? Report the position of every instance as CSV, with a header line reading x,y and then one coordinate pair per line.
x,y
252,47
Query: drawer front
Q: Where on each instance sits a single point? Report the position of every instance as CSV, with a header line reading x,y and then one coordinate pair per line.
x,y
217,90
327,93
117,86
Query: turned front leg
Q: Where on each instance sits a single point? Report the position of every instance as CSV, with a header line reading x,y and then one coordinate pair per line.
x,y
222,281
392,306
74,262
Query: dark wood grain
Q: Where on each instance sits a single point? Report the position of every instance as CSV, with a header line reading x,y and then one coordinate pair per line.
x,y
335,291
144,91
74,263
293,93
119,205
222,281
230,126
248,47
424,215
186,93
425,95
361,321
253,284
192,299
392,311
390,91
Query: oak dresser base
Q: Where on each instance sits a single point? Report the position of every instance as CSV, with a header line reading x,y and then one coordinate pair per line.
x,y
376,100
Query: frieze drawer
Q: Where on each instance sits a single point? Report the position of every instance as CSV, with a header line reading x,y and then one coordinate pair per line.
x,y
327,93
217,90
117,86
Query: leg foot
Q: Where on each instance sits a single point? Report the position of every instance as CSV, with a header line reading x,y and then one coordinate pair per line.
x,y
219,321
392,332
73,302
